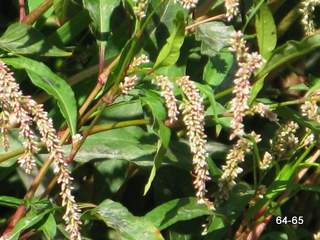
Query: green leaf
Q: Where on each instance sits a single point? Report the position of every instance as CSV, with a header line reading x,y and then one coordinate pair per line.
x,y
136,146
163,143
44,78
177,210
24,39
119,218
32,218
49,227
10,201
163,23
153,102
170,52
100,12
71,29
213,36
218,68
266,31
288,52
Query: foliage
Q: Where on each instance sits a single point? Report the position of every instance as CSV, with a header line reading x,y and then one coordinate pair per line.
x,y
238,150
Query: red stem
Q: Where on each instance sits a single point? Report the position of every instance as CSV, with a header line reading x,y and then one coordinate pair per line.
x,y
22,10
13,221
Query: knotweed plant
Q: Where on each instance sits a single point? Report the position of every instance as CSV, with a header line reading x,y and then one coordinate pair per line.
x,y
27,112
159,116
232,169
248,64
131,81
166,88
193,117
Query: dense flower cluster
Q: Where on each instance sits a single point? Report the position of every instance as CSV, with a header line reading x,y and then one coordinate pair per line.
x,y
231,169
187,3
140,8
266,161
12,107
193,117
264,111
248,64
166,88
28,112
307,10
138,61
309,109
232,8
284,140
129,82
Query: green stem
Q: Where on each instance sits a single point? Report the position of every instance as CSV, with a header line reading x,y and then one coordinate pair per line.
x,y
110,126
96,129
224,93
35,14
287,103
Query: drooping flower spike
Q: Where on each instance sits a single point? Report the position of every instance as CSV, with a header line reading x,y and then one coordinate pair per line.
x,y
28,113
166,88
193,117
248,64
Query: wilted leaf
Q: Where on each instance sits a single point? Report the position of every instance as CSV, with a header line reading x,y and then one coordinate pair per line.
x,y
213,36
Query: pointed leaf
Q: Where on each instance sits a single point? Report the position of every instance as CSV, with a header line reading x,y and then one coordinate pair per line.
x,y
177,210
24,39
170,52
130,227
266,31
44,78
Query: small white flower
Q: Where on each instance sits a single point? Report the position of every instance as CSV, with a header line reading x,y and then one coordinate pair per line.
x,y
307,10
248,64
232,8
128,84
188,4
193,117
167,93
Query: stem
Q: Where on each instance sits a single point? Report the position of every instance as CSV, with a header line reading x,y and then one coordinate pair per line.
x,y
30,193
102,79
110,126
256,163
197,23
256,232
22,10
94,130
36,13
224,93
287,103
102,48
